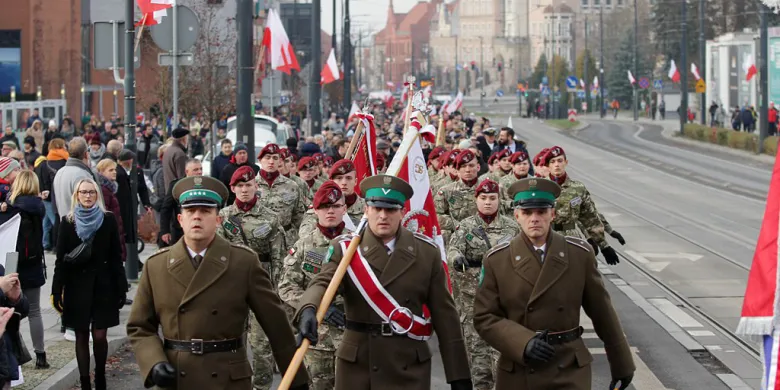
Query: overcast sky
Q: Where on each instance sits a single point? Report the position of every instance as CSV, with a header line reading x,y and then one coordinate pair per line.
x,y
368,14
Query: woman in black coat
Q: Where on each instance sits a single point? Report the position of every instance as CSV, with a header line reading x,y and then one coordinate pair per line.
x,y
89,294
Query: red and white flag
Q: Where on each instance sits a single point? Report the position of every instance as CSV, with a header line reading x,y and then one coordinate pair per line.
x,y
749,67
695,72
365,151
420,211
582,83
595,82
390,84
277,43
674,74
631,78
153,11
455,104
330,72
353,112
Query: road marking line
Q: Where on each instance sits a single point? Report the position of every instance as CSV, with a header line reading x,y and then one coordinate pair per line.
x,y
733,382
676,314
700,333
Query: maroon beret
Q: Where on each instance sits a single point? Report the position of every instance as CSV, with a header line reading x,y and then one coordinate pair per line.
x,y
319,157
504,153
341,167
242,174
539,156
518,157
328,161
436,153
486,187
284,153
556,151
306,163
329,193
464,157
269,149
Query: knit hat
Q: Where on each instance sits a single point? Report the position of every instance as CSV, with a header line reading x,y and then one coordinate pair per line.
x,y
126,155
8,165
239,147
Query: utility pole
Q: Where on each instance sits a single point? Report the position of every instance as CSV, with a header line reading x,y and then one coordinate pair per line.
x,y
333,37
245,129
315,112
482,72
131,263
601,63
457,72
553,84
702,60
763,115
636,64
585,66
684,67
346,57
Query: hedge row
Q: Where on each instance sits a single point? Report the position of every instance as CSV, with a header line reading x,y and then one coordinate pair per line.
x,y
728,137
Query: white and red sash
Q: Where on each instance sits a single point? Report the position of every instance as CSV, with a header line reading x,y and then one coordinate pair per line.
x,y
382,302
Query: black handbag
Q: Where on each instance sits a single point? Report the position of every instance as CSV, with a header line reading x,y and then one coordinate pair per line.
x,y
80,254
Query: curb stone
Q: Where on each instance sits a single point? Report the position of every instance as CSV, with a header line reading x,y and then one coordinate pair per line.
x,y
67,377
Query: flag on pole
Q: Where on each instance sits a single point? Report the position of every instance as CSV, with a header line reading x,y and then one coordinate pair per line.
x,y
455,104
330,72
596,82
353,112
759,307
749,67
153,11
582,83
631,78
674,74
365,151
695,72
9,231
277,43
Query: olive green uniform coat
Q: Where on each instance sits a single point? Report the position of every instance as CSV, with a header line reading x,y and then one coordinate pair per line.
x,y
414,275
519,295
211,302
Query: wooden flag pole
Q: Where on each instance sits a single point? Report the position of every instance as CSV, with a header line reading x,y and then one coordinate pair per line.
x,y
440,133
330,293
409,97
140,33
354,142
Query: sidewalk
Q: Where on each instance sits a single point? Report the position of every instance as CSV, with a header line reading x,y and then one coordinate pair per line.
x,y
671,130
61,353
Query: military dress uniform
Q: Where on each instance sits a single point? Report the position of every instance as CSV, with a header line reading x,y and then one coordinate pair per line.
x,y
302,264
199,303
372,354
526,290
259,229
471,240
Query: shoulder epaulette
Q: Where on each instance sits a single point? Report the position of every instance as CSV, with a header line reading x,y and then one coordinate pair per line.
x,y
159,251
242,246
497,248
426,239
579,242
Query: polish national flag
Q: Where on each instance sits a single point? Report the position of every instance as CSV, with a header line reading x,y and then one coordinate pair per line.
x,y
419,211
353,111
695,72
596,82
749,67
277,43
153,11
582,83
631,78
674,74
330,72
455,104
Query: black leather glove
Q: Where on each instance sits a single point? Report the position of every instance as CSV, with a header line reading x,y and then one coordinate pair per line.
x,y
335,317
461,384
610,255
624,382
594,245
304,386
56,302
307,326
459,263
616,235
164,375
539,349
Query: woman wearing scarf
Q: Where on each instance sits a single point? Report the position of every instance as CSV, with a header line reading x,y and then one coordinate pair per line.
x,y
97,151
106,169
90,294
472,239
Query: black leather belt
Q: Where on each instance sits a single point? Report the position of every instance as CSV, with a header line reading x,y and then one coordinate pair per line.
x,y
566,336
383,329
199,347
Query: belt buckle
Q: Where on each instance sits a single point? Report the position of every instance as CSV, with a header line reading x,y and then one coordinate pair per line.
x,y
389,322
387,329
546,338
196,346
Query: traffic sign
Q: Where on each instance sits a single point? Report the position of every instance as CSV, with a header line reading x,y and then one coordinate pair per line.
x,y
581,94
500,93
658,84
571,82
544,80
166,59
644,82
187,30
701,86
545,91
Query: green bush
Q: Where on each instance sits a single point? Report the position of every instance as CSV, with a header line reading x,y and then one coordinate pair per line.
x,y
730,138
723,137
770,145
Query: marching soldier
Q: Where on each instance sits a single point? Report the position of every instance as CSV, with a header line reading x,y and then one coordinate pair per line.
x,y
302,264
529,298
455,202
540,164
520,167
250,223
575,206
503,166
450,174
308,171
197,294
279,193
471,240
433,162
288,166
385,345
343,173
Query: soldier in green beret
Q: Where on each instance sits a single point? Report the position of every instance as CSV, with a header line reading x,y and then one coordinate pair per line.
x,y
197,294
530,296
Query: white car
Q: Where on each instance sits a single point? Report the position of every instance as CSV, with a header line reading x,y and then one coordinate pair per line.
x,y
267,130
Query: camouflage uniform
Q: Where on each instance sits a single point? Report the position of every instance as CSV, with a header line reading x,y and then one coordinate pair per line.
x,y
307,194
503,184
264,235
355,213
442,182
495,176
432,172
573,208
302,263
468,241
454,203
286,200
